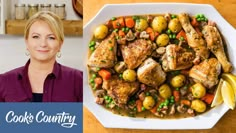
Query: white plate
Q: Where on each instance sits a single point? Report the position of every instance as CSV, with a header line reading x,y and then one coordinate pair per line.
x,y
110,120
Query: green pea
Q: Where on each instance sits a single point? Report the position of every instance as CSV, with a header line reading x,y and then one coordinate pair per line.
x,y
91,81
181,38
113,18
143,108
92,48
135,109
202,19
198,19
92,43
94,76
174,36
172,100
106,97
168,31
177,89
147,93
98,68
170,36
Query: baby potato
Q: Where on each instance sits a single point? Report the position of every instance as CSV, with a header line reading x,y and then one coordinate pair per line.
x,y
148,102
159,24
198,105
141,25
198,90
129,75
165,91
174,25
162,40
178,81
101,32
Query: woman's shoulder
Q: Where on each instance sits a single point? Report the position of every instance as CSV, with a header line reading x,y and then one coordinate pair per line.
x,y
70,70
13,72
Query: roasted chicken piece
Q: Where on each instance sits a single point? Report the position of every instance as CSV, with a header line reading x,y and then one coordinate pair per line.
x,y
120,90
206,72
104,55
195,41
215,44
151,73
177,58
136,52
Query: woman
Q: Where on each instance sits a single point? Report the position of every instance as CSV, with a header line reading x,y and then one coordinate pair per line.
x,y
42,79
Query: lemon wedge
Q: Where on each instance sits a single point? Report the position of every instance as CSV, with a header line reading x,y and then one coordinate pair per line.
x,y
218,96
231,79
228,94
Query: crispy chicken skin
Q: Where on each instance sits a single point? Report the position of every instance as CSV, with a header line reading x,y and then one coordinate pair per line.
x,y
177,58
195,41
119,89
104,55
215,44
136,52
206,72
151,73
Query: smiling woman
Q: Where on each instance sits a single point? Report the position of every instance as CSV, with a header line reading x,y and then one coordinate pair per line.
x,y
42,79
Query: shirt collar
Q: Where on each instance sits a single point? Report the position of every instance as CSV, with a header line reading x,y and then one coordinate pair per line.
x,y
55,72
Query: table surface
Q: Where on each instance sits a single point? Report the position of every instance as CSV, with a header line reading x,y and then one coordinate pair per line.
x,y
227,123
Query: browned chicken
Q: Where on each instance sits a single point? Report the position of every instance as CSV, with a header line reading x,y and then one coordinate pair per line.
x,y
136,52
206,72
215,44
119,89
151,73
195,41
104,55
177,58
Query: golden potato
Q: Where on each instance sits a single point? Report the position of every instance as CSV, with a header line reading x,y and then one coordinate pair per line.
x,y
174,25
129,75
101,32
198,90
178,81
165,91
141,24
159,24
198,106
162,40
148,102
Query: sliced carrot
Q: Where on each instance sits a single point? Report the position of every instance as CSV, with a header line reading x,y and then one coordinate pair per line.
x,y
152,33
154,109
185,102
181,34
98,80
198,31
118,23
129,22
121,33
176,95
104,74
139,105
194,22
208,98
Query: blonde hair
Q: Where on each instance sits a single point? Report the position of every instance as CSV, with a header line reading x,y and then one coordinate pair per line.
x,y
51,19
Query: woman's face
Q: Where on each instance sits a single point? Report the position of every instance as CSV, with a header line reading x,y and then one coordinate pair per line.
x,y
42,43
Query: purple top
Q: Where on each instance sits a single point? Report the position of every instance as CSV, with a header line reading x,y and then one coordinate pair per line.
x,y
64,84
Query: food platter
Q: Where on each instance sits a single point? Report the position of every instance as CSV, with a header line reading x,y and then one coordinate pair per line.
x,y
110,120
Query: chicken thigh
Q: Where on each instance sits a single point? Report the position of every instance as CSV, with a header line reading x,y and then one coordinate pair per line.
x,y
206,72
104,55
177,58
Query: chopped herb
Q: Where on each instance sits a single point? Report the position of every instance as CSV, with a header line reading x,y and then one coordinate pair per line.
x,y
135,17
103,61
111,48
